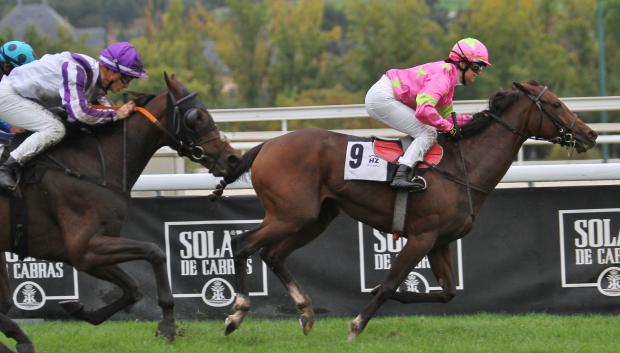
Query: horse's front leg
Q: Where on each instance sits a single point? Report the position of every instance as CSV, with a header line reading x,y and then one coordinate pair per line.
x,y
7,325
104,251
441,264
112,274
414,250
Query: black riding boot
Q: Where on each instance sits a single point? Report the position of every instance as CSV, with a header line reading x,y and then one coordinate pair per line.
x,y
8,174
403,180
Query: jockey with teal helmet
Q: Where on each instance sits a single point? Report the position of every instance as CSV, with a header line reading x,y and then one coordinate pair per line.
x,y
15,53
12,54
71,80
418,102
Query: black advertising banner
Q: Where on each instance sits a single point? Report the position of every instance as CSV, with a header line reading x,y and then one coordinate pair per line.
x,y
533,249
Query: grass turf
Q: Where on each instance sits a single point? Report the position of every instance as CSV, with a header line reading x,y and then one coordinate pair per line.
x,y
472,333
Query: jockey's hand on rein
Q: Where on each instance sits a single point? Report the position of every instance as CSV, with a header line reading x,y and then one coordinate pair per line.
x,y
125,110
454,134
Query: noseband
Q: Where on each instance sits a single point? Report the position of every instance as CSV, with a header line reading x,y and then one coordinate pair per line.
x,y
566,138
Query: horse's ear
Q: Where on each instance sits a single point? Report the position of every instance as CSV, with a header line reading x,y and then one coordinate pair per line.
x,y
167,79
173,85
520,87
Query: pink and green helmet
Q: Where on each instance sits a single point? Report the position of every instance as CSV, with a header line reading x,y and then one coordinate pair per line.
x,y
470,49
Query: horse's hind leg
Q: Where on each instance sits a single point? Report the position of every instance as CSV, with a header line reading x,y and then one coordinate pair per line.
x,y
275,256
105,250
112,274
244,246
415,249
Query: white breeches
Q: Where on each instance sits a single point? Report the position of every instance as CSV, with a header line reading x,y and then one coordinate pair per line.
x,y
25,113
381,105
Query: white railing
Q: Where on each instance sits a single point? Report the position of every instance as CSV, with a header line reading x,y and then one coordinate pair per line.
x,y
531,173
246,140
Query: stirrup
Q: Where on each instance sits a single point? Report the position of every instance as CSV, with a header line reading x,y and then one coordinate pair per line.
x,y
419,183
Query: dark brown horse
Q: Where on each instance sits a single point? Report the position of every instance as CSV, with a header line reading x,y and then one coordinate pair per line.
x,y
77,219
299,180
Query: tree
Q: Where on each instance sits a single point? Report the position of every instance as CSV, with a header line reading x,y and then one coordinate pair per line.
x,y
241,41
300,58
388,34
549,41
174,44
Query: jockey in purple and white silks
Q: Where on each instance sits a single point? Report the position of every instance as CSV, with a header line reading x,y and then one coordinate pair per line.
x,y
418,102
70,80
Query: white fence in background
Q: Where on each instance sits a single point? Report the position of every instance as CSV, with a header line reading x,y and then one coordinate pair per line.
x,y
244,140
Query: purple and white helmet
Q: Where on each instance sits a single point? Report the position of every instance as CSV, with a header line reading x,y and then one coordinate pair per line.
x,y
124,58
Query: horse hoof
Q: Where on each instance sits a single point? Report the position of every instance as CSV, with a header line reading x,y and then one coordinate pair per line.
x,y
167,330
354,330
230,325
72,307
25,348
306,324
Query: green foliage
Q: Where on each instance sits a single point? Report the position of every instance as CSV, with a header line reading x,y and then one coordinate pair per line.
x,y
388,34
241,41
175,46
300,60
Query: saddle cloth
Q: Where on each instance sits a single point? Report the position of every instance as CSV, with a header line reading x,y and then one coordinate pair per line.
x,y
375,159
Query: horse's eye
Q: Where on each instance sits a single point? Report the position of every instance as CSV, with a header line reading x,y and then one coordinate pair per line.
x,y
557,105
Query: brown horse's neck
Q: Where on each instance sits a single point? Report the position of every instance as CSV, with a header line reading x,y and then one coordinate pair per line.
x,y
82,154
143,140
490,154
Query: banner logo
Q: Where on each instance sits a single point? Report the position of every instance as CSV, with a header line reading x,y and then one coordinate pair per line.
x,y
200,260
377,252
37,281
609,282
218,292
29,296
590,248
415,283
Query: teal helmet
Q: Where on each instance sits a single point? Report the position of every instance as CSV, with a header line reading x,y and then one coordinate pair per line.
x,y
16,53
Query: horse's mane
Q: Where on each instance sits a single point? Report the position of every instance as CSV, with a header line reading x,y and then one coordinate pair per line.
x,y
499,102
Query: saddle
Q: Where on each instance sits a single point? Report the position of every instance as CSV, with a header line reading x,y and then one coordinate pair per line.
x,y
390,149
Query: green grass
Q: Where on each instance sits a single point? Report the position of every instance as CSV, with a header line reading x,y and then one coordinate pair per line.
x,y
428,334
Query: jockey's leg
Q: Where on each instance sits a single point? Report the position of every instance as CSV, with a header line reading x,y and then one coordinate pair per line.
x,y
22,112
425,137
383,106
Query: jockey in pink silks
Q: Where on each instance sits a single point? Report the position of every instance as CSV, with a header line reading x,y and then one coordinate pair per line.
x,y
418,102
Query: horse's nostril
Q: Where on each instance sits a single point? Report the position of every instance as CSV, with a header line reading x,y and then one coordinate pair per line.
x,y
592,135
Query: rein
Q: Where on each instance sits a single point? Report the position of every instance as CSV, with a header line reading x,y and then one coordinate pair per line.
x,y
566,138
185,145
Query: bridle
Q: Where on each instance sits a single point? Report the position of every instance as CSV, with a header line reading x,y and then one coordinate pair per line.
x,y
180,129
566,138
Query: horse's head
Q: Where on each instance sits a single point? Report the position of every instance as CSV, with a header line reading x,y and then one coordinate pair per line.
x,y
556,123
195,134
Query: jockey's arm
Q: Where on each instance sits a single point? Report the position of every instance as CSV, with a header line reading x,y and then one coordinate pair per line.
x,y
76,103
426,104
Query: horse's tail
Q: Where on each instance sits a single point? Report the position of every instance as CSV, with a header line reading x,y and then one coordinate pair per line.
x,y
246,163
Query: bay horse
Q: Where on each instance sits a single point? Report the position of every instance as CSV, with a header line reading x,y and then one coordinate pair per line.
x,y
76,210
298,178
